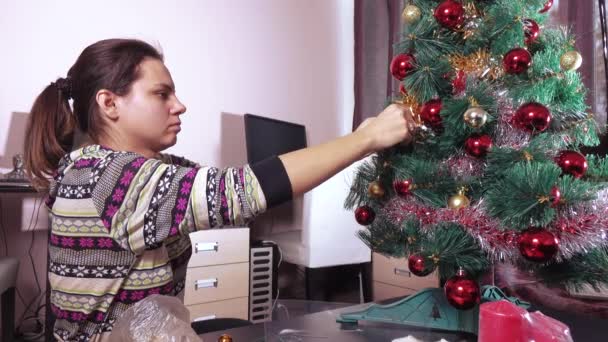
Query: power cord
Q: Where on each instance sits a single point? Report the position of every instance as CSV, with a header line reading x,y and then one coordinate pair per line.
x,y
39,327
30,228
274,303
3,230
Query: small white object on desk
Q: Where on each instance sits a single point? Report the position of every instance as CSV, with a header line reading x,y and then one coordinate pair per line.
x,y
411,338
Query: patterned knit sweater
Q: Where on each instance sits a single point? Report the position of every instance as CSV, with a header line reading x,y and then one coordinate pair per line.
x,y
120,225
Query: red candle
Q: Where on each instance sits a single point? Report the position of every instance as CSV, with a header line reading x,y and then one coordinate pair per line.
x,y
501,321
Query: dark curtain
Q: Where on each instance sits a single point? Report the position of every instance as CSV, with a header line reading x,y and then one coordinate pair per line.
x,y
378,25
584,19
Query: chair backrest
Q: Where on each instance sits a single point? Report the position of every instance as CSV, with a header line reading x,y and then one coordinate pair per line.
x,y
217,324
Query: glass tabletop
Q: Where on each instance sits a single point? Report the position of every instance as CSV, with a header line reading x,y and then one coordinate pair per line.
x,y
300,321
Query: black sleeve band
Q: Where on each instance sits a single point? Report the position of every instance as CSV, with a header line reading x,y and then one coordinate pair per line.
x,y
274,181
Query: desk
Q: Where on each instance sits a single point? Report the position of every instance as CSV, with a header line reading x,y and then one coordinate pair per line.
x,y
19,215
318,323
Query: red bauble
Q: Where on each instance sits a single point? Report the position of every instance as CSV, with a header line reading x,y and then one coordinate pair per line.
x,y
365,215
402,89
555,196
538,244
403,187
450,14
531,31
462,292
429,113
478,145
402,65
420,265
459,83
547,7
572,163
517,61
532,117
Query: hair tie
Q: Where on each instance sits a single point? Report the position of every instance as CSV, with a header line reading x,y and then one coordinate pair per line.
x,y
65,86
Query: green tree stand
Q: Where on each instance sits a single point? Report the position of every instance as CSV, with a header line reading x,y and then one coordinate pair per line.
x,y
429,308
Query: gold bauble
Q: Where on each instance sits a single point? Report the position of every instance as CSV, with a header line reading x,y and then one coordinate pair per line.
x,y
375,189
458,201
475,117
225,338
570,61
411,14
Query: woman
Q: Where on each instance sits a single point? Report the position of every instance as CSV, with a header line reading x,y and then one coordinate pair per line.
x,y
121,211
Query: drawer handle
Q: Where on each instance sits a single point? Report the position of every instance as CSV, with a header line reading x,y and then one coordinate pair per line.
x,y
204,318
205,283
206,247
403,273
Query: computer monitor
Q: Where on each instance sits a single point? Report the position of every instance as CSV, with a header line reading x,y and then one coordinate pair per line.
x,y
266,137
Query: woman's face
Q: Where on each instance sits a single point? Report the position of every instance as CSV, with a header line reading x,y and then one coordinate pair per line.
x,y
149,115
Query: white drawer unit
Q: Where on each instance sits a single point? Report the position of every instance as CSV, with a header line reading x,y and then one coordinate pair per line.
x,y
229,308
217,278
392,278
213,283
219,247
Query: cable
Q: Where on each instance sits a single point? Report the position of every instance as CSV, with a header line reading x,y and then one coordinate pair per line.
x,y
274,303
285,309
34,335
28,308
20,297
28,336
32,242
3,230
36,211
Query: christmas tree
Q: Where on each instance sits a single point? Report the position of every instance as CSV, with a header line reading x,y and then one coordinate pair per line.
x,y
495,173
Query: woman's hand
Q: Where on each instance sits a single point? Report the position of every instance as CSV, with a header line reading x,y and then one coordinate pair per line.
x,y
392,126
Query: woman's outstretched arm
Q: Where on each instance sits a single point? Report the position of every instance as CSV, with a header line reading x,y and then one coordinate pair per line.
x,y
309,167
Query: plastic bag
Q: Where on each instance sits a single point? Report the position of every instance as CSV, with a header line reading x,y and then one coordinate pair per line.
x,y
544,328
156,318
503,321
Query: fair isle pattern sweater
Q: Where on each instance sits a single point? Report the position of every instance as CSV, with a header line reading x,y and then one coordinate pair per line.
x,y
119,230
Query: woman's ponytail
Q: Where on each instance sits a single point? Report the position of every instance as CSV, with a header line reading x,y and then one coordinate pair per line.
x,y
111,64
49,134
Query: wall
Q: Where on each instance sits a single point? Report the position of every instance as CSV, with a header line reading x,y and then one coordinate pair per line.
x,y
290,60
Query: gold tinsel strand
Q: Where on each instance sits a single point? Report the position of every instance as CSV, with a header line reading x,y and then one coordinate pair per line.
x,y
473,102
468,33
471,11
479,63
575,123
411,102
543,199
550,74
